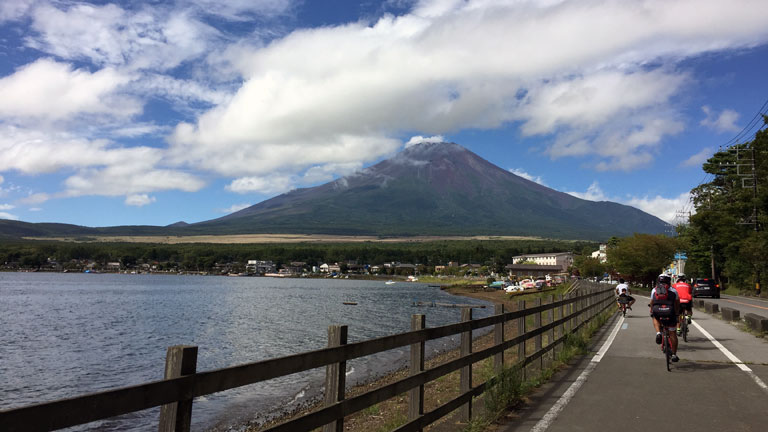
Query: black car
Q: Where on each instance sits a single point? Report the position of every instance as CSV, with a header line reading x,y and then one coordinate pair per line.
x,y
706,287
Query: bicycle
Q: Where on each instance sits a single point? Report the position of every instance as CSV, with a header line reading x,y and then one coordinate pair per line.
x,y
684,325
623,301
666,348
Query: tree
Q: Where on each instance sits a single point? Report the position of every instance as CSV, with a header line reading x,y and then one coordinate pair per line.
x,y
642,257
588,266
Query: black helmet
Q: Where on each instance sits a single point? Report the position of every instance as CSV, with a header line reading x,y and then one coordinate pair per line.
x,y
621,280
665,279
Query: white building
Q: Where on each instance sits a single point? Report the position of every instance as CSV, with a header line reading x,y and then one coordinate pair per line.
x,y
600,254
560,259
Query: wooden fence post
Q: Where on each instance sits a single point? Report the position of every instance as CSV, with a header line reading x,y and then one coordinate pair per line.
x,y
180,360
335,376
561,313
550,320
498,338
539,339
416,394
521,332
466,371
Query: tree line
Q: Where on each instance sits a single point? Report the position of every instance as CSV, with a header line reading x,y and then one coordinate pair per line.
x,y
203,257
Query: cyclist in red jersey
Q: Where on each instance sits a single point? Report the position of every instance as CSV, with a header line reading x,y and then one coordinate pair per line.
x,y
686,303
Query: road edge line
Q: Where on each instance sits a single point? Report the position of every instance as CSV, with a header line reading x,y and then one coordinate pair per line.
x,y
561,403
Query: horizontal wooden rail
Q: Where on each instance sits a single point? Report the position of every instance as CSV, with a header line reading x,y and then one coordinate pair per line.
x,y
365,400
96,406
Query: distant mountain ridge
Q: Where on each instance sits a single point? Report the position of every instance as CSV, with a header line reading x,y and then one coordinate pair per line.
x,y
427,189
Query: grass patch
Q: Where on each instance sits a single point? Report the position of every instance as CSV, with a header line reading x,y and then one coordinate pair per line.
x,y
393,422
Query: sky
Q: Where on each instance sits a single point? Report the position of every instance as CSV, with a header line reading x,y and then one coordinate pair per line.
x,y
154,112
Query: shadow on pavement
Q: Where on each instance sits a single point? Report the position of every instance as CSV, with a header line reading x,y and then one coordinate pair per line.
x,y
692,366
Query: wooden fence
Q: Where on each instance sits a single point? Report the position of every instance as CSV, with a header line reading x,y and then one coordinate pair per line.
x,y
183,383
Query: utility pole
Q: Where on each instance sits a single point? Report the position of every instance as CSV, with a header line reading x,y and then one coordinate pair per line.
x,y
754,215
746,178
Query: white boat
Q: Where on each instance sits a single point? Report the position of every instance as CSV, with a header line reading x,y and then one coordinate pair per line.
x,y
389,282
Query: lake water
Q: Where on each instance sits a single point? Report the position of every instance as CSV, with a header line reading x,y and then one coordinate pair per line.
x,y
64,335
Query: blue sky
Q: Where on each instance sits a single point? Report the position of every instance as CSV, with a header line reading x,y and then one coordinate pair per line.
x,y
118,113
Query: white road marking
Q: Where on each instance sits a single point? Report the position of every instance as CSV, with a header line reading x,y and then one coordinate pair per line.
x,y
553,412
732,357
624,326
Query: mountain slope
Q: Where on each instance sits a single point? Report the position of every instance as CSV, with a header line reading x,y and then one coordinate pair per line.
x,y
435,189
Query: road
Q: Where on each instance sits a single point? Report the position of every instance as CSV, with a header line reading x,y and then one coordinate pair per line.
x,y
629,388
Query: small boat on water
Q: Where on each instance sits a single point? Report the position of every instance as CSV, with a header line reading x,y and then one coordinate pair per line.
x,y
389,282
351,303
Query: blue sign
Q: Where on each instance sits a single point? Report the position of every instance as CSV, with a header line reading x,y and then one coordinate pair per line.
x,y
681,256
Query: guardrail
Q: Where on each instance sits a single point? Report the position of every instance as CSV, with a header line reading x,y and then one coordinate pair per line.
x,y
183,383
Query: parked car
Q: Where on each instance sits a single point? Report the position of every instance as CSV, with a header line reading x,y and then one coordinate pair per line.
x,y
706,287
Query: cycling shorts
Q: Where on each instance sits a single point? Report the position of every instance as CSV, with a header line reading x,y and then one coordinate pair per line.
x,y
666,321
629,298
686,306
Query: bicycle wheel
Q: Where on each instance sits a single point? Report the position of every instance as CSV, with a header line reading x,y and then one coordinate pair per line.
x,y
684,328
667,348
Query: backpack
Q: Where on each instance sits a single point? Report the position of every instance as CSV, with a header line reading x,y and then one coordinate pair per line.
x,y
663,303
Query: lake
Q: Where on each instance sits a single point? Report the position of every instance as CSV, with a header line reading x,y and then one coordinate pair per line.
x,y
65,335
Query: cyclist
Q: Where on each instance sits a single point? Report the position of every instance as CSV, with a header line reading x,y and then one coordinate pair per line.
x,y
684,292
622,289
665,309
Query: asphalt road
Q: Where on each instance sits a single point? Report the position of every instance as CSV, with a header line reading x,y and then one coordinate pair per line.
x,y
628,388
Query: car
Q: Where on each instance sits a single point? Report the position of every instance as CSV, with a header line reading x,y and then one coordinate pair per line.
x,y
706,287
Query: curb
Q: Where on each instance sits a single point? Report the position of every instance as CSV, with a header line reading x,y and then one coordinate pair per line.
x,y
755,322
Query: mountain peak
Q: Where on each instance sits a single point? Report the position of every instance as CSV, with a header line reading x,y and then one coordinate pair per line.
x,y
436,189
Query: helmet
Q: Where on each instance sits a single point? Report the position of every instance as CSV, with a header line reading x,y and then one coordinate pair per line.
x,y
681,278
665,279
621,280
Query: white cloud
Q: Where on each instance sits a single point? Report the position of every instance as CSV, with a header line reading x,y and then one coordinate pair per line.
x,y
525,175
50,91
36,198
6,207
661,207
4,215
418,139
698,159
14,9
327,172
35,209
452,65
238,9
593,193
102,168
723,122
139,200
149,38
234,208
267,185
129,178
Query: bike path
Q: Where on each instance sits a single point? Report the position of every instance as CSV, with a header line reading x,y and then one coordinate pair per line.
x,y
631,389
